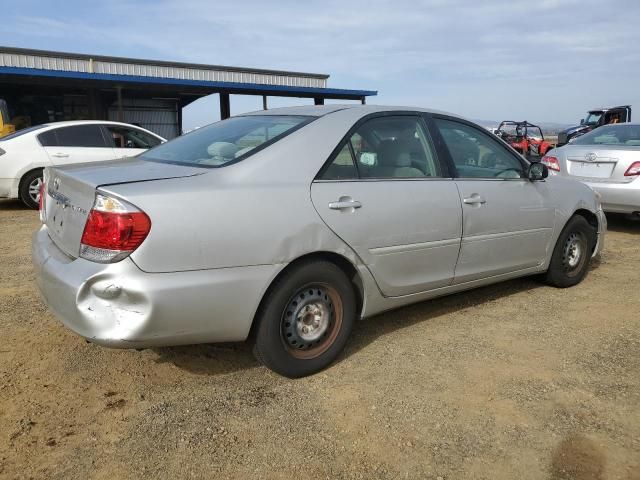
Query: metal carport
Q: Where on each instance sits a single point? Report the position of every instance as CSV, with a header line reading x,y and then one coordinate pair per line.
x,y
49,86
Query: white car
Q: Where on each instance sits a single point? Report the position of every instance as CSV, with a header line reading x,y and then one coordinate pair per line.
x,y
24,154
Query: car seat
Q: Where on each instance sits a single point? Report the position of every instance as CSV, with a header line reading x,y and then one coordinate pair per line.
x,y
394,160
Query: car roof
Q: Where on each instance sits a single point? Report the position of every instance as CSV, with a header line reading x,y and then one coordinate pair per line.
x,y
322,110
70,123
605,109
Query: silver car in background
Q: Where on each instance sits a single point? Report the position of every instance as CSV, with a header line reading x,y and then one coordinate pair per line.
x,y
285,226
608,160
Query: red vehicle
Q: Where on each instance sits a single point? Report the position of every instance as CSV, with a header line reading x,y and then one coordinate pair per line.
x,y
525,137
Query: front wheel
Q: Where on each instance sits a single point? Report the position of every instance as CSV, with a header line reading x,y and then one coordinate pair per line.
x,y
305,320
29,191
571,255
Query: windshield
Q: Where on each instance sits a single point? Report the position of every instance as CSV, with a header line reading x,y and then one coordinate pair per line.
x,y
592,118
227,141
19,133
611,135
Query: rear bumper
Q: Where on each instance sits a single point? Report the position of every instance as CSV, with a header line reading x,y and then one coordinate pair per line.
x,y
119,305
618,197
8,188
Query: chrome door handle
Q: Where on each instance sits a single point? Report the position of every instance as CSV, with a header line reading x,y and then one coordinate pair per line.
x,y
343,204
60,155
474,199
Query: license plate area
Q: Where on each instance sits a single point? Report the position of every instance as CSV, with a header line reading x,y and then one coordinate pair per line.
x,y
57,216
591,169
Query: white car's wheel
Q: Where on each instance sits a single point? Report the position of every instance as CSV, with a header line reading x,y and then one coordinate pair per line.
x,y
30,189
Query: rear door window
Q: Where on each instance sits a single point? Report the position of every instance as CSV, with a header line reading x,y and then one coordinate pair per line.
x,y
386,147
86,136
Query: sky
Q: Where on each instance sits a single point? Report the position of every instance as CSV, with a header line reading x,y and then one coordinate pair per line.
x,y
542,60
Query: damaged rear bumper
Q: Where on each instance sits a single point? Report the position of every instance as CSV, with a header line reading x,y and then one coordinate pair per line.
x,y
118,305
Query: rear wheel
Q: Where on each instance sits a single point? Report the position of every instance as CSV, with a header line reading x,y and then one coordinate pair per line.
x,y
571,255
305,320
29,190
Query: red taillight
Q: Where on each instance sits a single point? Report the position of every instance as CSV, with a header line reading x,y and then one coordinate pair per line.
x,y
551,162
114,229
41,196
633,170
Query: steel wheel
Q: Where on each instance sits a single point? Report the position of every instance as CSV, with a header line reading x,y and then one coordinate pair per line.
x,y
305,318
311,320
574,253
569,262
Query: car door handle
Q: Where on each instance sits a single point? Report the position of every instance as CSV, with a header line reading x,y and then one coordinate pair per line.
x,y
344,203
474,199
60,155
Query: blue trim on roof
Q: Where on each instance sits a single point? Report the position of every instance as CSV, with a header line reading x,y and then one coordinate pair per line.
x,y
324,92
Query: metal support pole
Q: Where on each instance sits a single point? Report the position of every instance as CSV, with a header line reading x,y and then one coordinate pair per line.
x,y
96,112
119,103
264,102
225,106
364,100
318,101
179,106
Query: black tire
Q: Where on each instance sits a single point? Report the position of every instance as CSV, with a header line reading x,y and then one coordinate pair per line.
x,y
572,253
314,298
25,190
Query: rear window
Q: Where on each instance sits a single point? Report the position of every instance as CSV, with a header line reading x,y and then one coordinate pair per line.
x,y
19,133
226,142
628,135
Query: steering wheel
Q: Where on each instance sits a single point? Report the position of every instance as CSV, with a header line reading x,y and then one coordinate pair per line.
x,y
517,170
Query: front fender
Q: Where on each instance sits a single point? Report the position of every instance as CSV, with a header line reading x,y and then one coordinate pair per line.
x,y
569,197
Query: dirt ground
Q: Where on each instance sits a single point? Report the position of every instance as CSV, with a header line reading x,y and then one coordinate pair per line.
x,y
512,381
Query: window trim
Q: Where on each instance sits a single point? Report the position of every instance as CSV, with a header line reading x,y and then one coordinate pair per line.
x,y
447,154
444,165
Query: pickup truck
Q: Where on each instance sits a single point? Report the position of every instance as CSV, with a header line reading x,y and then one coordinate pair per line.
x,y
594,119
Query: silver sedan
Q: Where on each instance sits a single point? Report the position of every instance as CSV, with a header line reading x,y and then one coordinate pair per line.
x,y
285,226
608,160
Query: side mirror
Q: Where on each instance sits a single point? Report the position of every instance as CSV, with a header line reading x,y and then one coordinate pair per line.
x,y
537,171
582,121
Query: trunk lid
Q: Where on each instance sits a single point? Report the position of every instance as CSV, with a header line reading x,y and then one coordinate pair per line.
x,y
601,164
70,193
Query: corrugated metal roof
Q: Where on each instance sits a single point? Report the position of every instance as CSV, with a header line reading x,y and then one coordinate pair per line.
x,y
97,64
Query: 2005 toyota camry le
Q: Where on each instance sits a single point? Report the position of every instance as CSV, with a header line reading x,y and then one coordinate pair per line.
x,y
285,226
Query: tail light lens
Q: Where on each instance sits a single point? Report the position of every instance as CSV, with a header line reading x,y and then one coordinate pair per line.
x,y
114,229
633,170
551,162
41,195
41,201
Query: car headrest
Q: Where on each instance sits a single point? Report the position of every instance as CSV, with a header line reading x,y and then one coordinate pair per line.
x,y
403,160
388,153
222,149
